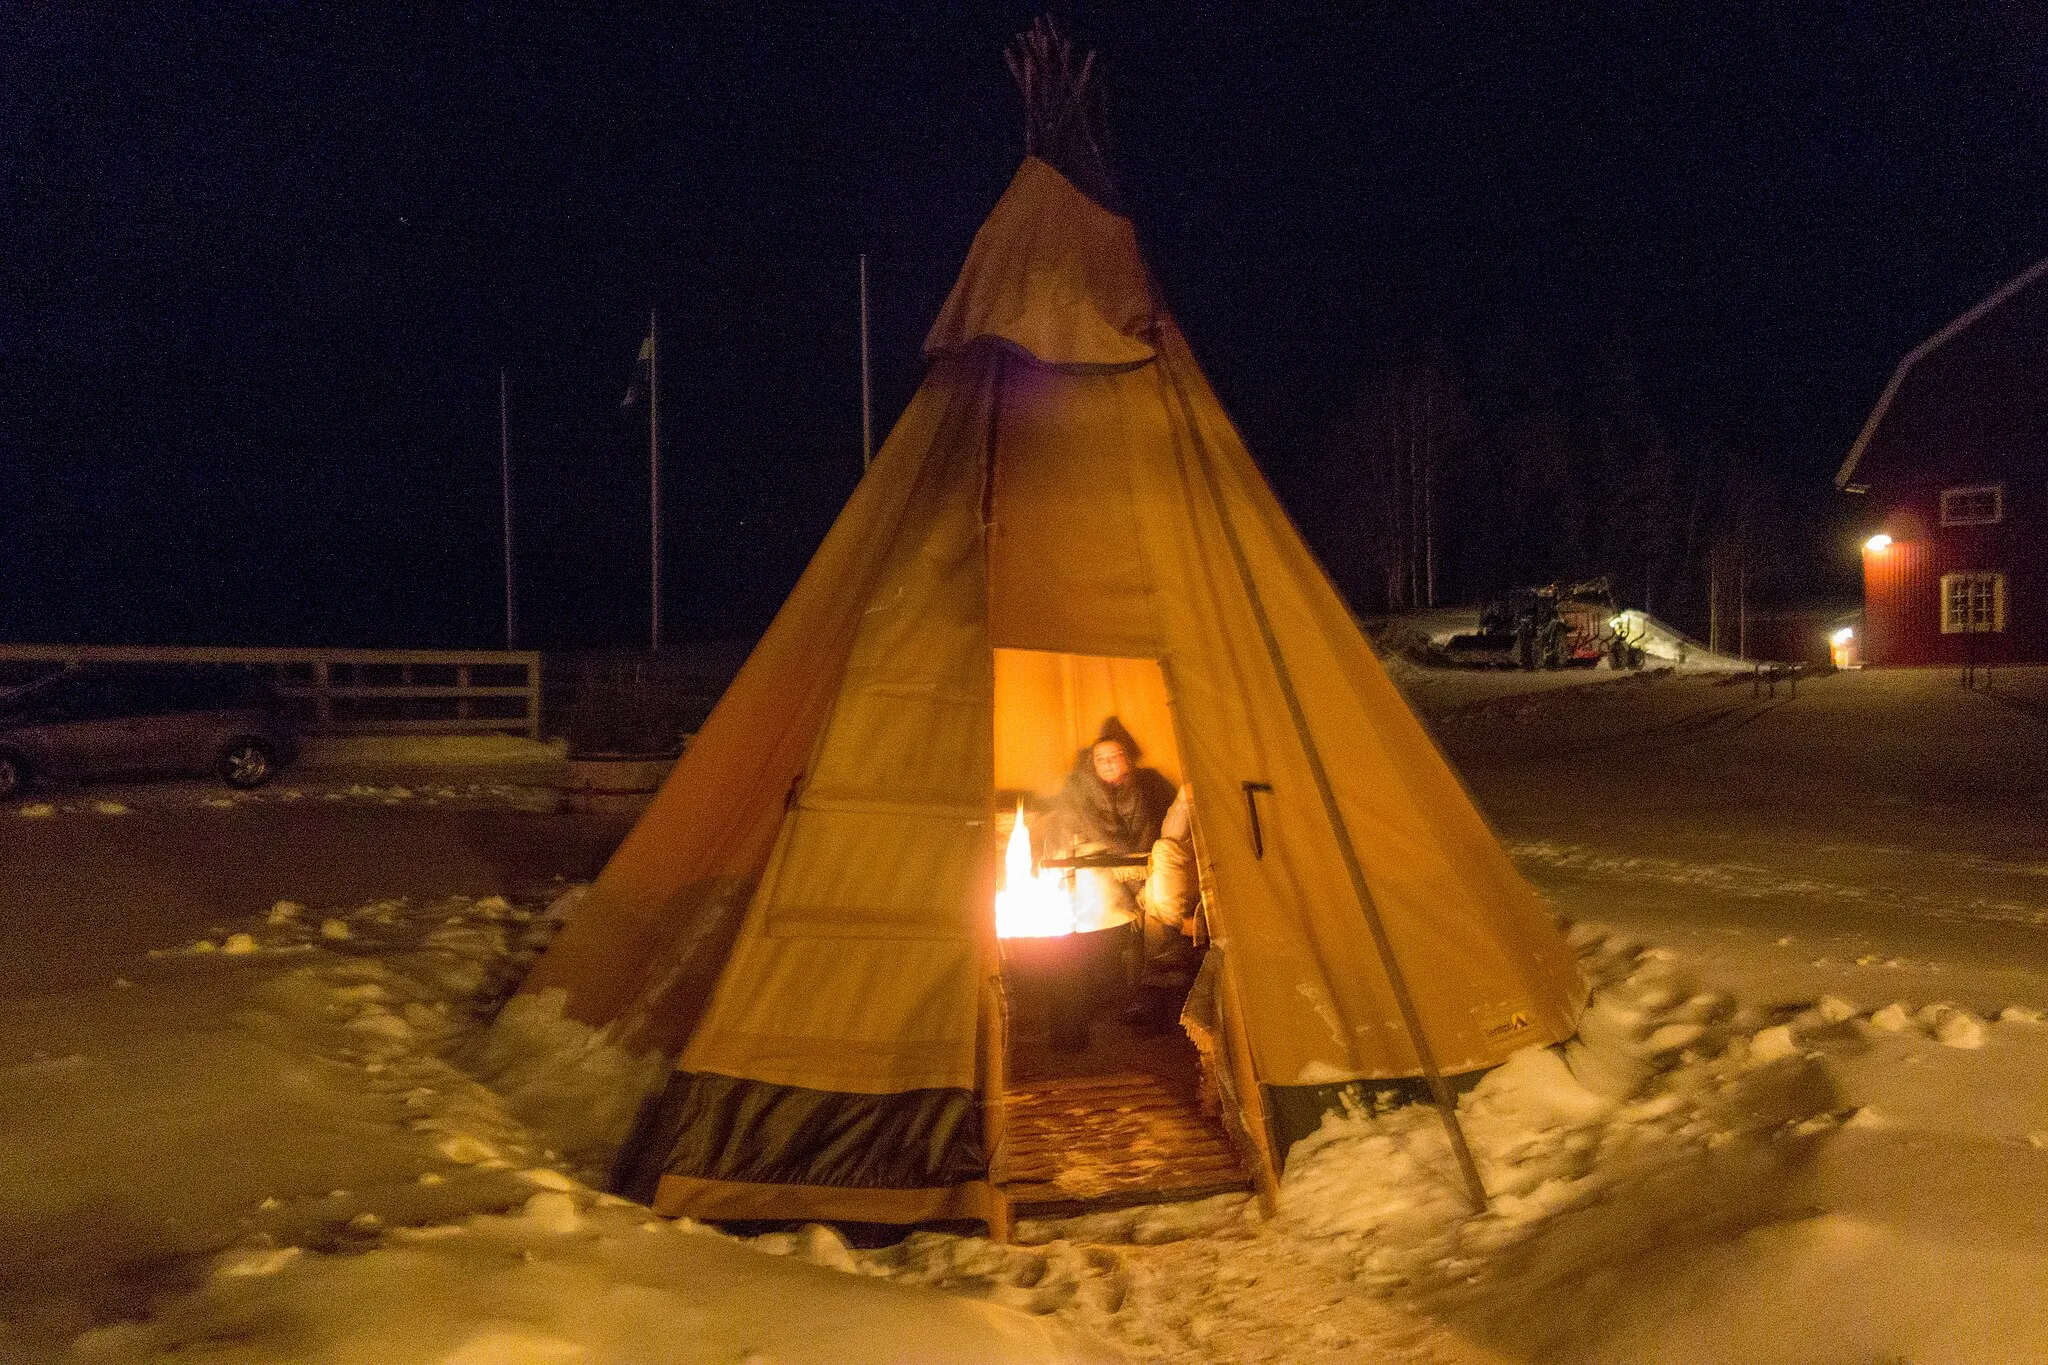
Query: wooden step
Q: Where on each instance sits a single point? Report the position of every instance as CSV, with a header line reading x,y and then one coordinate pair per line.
x,y
1090,1142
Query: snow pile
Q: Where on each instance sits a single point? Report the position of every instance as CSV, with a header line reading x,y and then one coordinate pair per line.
x,y
460,1237
157,796
1709,1185
1918,1228
1687,1181
564,1078
446,793
1668,644
402,1006
1657,1104
565,1275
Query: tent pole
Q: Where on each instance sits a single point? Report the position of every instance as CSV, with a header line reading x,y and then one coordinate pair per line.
x,y
1397,981
994,1003
995,1081
1252,1103
653,483
505,492
867,398
1236,1060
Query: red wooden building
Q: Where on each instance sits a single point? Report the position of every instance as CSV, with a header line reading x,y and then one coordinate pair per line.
x,y
1954,465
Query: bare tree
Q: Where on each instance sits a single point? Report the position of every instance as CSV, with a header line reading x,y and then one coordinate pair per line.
x,y
1395,449
1452,481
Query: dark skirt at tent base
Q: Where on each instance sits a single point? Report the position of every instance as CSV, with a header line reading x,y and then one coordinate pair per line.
x,y
1121,1120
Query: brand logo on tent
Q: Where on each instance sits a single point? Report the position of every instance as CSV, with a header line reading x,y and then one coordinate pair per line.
x,y
1514,1023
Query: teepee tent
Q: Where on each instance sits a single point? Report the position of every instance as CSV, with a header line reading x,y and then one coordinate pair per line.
x,y
1062,525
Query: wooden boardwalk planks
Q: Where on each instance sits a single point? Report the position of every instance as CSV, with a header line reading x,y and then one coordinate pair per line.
x,y
1088,1142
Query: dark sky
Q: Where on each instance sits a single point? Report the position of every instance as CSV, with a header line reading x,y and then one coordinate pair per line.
x,y
260,264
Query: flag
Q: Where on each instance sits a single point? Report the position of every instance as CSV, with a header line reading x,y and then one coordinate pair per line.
x,y
643,369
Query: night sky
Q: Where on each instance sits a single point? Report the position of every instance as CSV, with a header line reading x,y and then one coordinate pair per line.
x,y
260,265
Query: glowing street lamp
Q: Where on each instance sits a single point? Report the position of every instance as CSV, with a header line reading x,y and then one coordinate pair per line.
x,y
1877,543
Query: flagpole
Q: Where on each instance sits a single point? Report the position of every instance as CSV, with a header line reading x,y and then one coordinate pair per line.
x,y
867,402
654,477
505,490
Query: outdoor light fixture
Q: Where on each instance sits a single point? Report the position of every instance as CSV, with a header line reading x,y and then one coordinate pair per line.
x,y
1877,542
1844,635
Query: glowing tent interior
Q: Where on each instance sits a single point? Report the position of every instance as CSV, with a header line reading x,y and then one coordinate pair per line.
x,y
1062,525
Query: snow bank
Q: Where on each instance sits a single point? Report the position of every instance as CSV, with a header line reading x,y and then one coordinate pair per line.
x,y
431,789
1689,1180
567,1275
1661,1077
1670,645
1374,1239
465,1233
1917,1231
564,1078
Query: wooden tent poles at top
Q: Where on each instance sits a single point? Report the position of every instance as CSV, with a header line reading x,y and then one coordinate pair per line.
x,y
1041,61
1063,123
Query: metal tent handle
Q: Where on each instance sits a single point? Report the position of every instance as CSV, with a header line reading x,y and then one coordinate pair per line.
x,y
1251,805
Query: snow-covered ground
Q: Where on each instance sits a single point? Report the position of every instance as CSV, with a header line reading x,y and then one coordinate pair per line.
x,y
428,770
254,1109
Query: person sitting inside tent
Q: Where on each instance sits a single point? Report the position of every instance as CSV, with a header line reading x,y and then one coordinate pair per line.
x,y
1111,805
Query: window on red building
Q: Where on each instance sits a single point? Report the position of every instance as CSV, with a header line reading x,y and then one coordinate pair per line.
x,y
1977,506
1972,602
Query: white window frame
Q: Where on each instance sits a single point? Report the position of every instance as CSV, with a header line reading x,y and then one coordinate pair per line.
x,y
1961,604
1954,515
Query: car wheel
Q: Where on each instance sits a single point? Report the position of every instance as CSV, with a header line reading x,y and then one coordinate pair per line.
x,y
13,776
245,763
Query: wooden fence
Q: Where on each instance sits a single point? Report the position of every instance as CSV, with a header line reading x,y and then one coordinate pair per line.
x,y
348,691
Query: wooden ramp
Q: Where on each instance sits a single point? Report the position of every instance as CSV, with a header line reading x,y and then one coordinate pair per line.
x,y
1080,1143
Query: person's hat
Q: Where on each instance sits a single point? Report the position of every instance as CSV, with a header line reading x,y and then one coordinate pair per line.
x,y
1113,732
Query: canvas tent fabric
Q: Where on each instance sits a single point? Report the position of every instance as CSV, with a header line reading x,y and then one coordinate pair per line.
x,y
803,915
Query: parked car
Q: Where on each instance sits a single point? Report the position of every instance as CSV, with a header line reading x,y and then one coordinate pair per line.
x,y
113,720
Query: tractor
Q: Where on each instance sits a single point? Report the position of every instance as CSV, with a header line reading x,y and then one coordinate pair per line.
x,y
1557,625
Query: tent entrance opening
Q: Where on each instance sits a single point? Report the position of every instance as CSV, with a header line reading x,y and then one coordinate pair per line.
x,y
1106,1097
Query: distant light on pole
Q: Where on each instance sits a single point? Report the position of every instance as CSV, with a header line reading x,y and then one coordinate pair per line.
x,y
1877,542
1843,648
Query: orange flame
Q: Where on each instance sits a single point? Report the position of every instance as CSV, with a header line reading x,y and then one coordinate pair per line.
x,y
1030,905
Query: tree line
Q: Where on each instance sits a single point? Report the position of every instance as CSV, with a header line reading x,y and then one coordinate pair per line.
x,y
1446,478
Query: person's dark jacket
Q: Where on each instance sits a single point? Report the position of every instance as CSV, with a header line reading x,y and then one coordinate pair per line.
x,y
1123,819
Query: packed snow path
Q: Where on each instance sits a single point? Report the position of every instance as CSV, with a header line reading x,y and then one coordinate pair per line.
x,y
254,1110
1880,833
